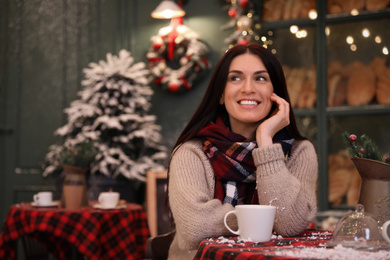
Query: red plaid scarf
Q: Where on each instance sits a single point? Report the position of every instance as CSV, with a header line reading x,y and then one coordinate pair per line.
x,y
231,157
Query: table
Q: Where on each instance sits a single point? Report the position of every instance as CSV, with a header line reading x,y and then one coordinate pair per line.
x,y
311,244
97,234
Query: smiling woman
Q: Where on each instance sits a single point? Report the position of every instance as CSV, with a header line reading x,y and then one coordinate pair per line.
x,y
241,146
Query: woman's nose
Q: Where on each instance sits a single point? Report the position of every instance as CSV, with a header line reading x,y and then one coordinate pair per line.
x,y
248,87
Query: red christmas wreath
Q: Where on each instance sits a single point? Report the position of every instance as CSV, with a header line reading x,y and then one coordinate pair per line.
x,y
177,58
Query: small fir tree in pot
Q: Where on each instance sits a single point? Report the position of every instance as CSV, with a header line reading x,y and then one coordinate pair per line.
x,y
374,169
76,161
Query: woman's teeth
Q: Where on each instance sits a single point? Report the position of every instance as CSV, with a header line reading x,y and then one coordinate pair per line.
x,y
248,102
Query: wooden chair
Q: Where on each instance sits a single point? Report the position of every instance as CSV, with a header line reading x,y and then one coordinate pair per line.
x,y
153,198
158,244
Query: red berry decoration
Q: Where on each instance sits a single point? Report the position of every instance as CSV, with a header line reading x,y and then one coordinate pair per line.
x,y
353,137
232,13
361,150
157,45
387,159
242,41
244,3
174,87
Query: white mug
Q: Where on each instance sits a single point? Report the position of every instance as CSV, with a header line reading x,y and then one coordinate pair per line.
x,y
384,231
109,199
255,222
43,198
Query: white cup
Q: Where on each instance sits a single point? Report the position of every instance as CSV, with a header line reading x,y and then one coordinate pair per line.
x,y
384,231
255,222
43,198
109,199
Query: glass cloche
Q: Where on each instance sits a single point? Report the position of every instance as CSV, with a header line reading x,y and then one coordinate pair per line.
x,y
358,229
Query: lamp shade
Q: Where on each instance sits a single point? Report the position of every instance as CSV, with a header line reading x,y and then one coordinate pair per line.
x,y
167,9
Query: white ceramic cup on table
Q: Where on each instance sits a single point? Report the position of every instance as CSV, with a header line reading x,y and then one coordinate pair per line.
x,y
255,222
108,200
43,198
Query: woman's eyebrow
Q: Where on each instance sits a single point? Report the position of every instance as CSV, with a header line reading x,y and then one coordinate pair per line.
x,y
261,72
235,71
256,72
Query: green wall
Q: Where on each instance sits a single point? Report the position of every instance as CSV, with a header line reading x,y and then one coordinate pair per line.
x,y
45,44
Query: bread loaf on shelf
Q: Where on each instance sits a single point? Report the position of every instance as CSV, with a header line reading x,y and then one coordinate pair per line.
x,y
333,7
346,6
344,180
359,83
308,96
337,84
361,86
295,81
337,90
383,87
275,10
376,4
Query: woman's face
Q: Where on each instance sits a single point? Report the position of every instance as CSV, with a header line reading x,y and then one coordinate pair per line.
x,y
247,93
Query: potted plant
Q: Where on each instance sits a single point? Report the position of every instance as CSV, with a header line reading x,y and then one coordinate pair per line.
x,y
374,169
76,161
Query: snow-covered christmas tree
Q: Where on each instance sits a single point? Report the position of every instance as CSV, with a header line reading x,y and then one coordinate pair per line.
x,y
113,110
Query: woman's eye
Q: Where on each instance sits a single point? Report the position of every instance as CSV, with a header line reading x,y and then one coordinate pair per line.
x,y
261,78
234,78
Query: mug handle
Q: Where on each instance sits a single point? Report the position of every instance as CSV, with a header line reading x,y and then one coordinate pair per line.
x,y
384,231
226,225
36,197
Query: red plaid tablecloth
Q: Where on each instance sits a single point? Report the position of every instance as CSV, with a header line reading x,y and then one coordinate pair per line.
x,y
235,248
97,234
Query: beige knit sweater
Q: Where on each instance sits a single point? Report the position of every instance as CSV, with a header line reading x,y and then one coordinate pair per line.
x,y
289,185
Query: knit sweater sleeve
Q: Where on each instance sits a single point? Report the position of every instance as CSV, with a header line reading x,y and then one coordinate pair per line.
x,y
290,185
196,213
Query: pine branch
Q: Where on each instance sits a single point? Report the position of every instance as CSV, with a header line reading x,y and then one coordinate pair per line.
x,y
367,148
370,149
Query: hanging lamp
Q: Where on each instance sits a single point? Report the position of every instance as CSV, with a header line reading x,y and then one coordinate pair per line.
x,y
168,9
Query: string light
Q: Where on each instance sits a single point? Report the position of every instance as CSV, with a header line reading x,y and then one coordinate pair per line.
x,y
313,14
294,29
301,34
378,39
327,30
349,40
366,33
385,51
354,12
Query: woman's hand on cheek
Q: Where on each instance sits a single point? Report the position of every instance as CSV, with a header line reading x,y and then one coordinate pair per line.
x,y
278,119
